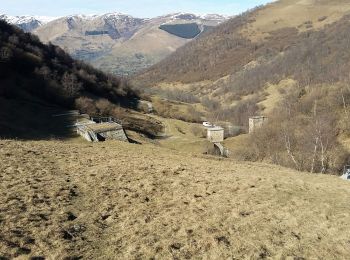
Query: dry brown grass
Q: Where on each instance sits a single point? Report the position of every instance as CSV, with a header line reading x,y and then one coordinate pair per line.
x,y
166,108
274,95
296,13
181,136
121,201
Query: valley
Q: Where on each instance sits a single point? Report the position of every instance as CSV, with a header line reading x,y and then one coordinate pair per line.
x,y
235,131
285,60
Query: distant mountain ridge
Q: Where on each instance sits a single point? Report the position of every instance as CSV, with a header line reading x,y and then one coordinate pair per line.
x,y
119,43
27,23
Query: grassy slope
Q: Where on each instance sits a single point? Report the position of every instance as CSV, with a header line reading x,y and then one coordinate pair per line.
x,y
178,135
134,201
274,96
294,13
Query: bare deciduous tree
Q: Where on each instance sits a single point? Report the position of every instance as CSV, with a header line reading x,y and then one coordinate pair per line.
x,y
71,85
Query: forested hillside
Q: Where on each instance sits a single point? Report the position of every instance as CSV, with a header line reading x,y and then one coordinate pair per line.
x,y
255,36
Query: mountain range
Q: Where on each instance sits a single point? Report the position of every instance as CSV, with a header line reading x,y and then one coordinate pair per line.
x,y
118,43
27,23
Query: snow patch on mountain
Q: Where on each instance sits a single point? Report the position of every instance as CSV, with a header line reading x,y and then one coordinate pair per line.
x,y
26,19
214,17
27,22
190,17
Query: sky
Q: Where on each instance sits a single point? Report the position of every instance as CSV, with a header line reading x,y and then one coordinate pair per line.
x,y
137,8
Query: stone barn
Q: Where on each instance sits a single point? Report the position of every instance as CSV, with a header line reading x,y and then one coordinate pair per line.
x,y
96,132
256,122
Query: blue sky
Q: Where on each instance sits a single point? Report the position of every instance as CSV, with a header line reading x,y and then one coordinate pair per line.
x,y
138,8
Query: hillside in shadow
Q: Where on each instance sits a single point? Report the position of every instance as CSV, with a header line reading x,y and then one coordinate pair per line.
x,y
33,120
38,79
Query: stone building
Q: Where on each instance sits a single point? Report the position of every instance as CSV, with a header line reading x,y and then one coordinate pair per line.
x,y
256,122
101,131
215,134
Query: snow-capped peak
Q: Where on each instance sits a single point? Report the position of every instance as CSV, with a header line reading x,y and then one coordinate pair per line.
x,y
117,15
120,17
27,22
185,16
193,16
82,16
30,22
26,19
214,17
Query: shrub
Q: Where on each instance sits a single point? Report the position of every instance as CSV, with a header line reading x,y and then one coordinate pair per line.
x,y
199,131
104,107
303,133
210,104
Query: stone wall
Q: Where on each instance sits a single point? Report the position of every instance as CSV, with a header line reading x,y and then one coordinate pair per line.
x,y
215,135
256,123
114,135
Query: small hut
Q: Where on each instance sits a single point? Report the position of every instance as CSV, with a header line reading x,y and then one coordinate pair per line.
x,y
256,122
216,136
101,131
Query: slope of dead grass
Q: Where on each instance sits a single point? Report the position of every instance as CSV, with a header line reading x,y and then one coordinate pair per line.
x,y
274,95
181,136
302,14
116,200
